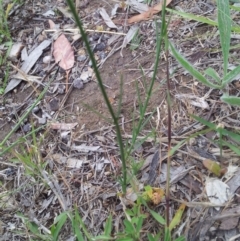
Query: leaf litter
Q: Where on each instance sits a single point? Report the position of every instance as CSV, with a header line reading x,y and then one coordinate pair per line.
x,y
91,153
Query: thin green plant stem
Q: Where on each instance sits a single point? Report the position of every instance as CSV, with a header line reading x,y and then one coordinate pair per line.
x,y
80,221
101,86
20,140
149,92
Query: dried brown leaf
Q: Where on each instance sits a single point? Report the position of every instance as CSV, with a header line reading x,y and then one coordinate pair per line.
x,y
63,52
148,14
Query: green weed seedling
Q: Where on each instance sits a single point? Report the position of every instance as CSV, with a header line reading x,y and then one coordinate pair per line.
x,y
224,24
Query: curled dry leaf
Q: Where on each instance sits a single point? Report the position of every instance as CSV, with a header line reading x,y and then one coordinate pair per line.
x,y
149,13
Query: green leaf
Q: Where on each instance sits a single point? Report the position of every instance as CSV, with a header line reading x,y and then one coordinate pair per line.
x,y
167,234
181,238
190,68
224,25
158,217
232,147
212,73
139,224
102,237
152,238
225,132
77,231
108,226
194,17
61,219
124,239
230,76
201,19
33,228
128,226
177,217
231,100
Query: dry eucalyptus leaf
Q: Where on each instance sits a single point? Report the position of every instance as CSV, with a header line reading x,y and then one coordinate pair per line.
x,y
63,52
130,34
137,6
217,191
107,19
148,14
28,64
193,100
63,126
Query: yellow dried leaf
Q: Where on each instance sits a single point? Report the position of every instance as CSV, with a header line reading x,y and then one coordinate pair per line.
x,y
99,28
153,195
9,7
213,167
177,218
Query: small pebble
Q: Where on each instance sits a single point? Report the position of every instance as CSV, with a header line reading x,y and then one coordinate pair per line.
x,y
81,58
47,59
54,104
27,127
100,47
78,84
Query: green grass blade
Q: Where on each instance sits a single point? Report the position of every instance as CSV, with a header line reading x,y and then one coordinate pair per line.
x,y
104,93
231,100
158,217
232,147
200,19
224,25
230,134
167,234
212,73
181,238
108,226
62,218
190,68
230,76
82,225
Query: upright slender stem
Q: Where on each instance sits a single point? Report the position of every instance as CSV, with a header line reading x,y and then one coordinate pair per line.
x,y
101,86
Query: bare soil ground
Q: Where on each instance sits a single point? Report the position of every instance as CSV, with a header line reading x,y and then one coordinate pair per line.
x,y
82,164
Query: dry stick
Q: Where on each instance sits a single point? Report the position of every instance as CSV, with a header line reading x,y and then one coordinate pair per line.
x,y
169,141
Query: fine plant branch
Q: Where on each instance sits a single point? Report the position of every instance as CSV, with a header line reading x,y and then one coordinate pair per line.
x,y
101,86
149,91
224,25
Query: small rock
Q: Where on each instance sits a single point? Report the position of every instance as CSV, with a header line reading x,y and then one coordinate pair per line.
x,y
102,55
15,50
54,104
61,89
27,127
96,36
42,121
78,84
100,47
81,58
47,59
